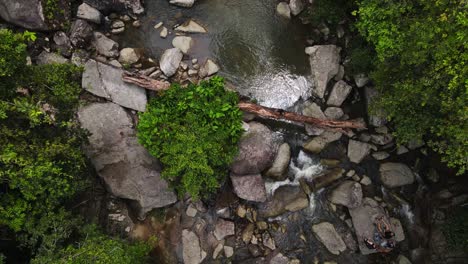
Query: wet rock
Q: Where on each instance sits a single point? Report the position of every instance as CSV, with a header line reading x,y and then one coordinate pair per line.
x,y
80,33
249,187
63,43
183,43
381,155
334,113
164,32
257,149
129,56
327,178
395,174
281,163
361,80
106,81
317,144
376,119
191,26
208,69
105,46
398,229
296,7
170,61
126,167
247,233
285,198
339,93
325,64
357,150
381,139
118,24
268,241
313,110
366,181
283,10
89,13
223,229
192,252
50,58
182,3
348,193
24,13
327,234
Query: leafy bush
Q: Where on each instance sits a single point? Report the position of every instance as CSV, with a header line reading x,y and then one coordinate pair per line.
x,y
421,70
194,132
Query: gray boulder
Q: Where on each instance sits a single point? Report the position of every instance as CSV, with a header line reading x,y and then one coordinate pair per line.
x,y
105,46
183,43
80,33
348,193
327,234
24,13
313,110
249,187
208,69
125,166
106,81
280,164
317,144
63,43
223,229
296,7
89,13
339,93
170,61
395,174
191,26
380,155
357,150
50,58
325,64
376,118
285,199
334,113
192,252
182,3
129,56
283,10
257,149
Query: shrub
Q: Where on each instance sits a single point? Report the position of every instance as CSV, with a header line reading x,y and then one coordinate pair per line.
x,y
194,132
421,70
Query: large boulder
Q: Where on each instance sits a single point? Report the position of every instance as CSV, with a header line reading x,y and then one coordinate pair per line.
x,y
327,234
24,13
280,164
106,81
89,13
183,43
395,174
170,61
80,33
317,144
376,116
357,150
348,193
192,252
325,64
127,169
129,56
285,199
105,46
257,149
339,93
182,3
249,187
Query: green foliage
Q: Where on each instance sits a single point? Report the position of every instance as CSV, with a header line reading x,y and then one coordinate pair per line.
x,y
2,258
51,8
421,70
330,12
95,247
456,229
194,132
12,52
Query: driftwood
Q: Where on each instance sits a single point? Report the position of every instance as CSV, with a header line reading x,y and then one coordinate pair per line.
x,y
155,85
145,81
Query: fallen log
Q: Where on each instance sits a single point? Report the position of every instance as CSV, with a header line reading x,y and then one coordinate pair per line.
x,y
145,81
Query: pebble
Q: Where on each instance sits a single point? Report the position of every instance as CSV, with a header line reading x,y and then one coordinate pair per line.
x,y
194,61
350,173
191,211
163,33
241,209
158,25
366,180
228,251
136,23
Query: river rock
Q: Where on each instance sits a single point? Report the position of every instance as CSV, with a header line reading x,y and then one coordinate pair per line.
x,y
296,7
313,110
317,144
191,26
249,187
257,149
376,118
63,43
170,61
183,43
283,10
127,169
279,259
357,150
105,46
192,252
106,81
80,33
182,3
50,58
208,69
339,93
89,13
285,199
380,155
334,113
325,64
348,193
381,139
119,6
24,13
223,229
395,174
280,164
128,56
327,234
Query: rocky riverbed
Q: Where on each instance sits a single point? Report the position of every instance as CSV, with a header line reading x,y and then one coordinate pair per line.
x,y
296,194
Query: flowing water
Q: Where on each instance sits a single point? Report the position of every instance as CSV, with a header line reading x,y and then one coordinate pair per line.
x,y
260,53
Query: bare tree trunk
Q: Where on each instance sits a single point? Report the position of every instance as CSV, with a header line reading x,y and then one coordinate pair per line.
x,y
145,81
